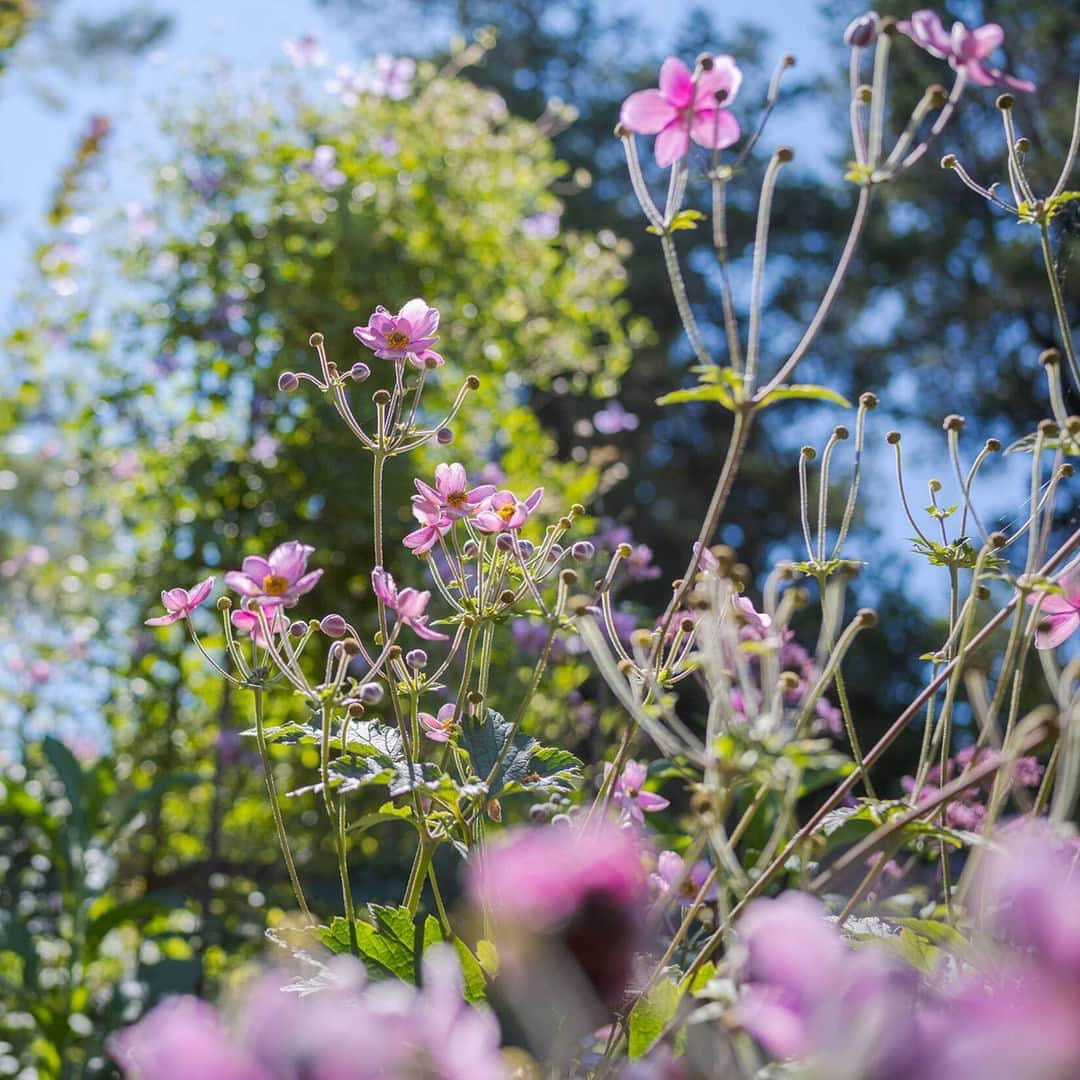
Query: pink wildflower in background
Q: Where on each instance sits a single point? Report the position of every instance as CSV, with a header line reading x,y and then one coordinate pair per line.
x,y
1059,616
407,335
280,579
438,727
684,108
179,603
629,794
306,52
964,49
671,876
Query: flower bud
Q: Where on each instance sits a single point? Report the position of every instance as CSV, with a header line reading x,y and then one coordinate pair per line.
x,y
333,626
867,617
298,628
993,445
504,542
527,548
784,154
288,382
948,161
472,382
624,551
893,438
469,549
568,576
444,436
351,646
868,400
953,422
359,371
224,603
998,540
555,553
582,551
416,659
315,340
1005,102
381,397
841,432
539,812
506,596
862,31
371,693
355,710
1049,356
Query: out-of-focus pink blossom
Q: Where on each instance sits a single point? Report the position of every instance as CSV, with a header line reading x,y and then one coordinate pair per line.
x,y
629,793
248,622
504,512
305,52
613,419
438,727
391,76
451,494
1059,615
755,624
410,604
278,580
671,876
966,50
324,168
179,603
407,335
685,108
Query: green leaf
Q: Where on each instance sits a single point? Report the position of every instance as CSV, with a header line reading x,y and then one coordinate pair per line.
x,y
525,764
804,392
708,392
14,937
650,1015
684,219
68,769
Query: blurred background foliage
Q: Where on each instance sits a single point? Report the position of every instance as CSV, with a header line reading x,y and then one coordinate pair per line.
x,y
144,443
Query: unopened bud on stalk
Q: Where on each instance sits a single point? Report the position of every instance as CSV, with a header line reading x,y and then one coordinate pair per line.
x,y
504,542
506,596
893,438
577,510
475,697
444,436
862,31
864,94
625,667
351,647
1023,145
841,432
998,540
527,548
620,132
948,161
355,710
888,26
953,422
982,592
371,693
394,652
316,340
1005,102
808,453
416,659
359,371
788,682
333,626
1049,357
868,400
1072,425
288,382
472,382
1066,471
381,397
470,549
582,551
784,154
298,628
568,576
1048,428
565,523
937,96
934,485
555,553
993,445
867,617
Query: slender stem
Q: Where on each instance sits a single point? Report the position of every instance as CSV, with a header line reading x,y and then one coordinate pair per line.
x,y
1059,304
757,272
275,808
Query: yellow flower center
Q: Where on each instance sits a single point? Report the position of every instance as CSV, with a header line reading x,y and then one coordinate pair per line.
x,y
397,340
457,498
506,512
275,585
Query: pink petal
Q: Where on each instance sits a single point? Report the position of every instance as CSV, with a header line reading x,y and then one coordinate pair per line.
x,y
925,30
446,712
715,129
256,567
245,620
289,560
676,82
650,803
427,492
165,620
533,501
422,319
422,540
412,603
200,592
175,600
724,75
242,584
489,522
646,112
987,38
421,629
426,359
480,493
384,586
634,775
306,583
670,867
672,143
1056,629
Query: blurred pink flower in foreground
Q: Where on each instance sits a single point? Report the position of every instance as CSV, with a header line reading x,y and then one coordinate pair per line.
x,y
179,603
964,49
407,335
683,109
279,579
1059,616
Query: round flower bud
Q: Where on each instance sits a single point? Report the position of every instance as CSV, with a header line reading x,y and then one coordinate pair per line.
x,y
416,659
862,31
288,382
224,603
469,549
298,629
359,371
527,548
333,626
371,693
582,551
444,436
504,542
539,812
381,397
555,553
315,340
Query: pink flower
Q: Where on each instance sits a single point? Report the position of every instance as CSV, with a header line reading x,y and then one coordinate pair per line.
x,y
671,875
280,579
433,525
410,604
755,624
1059,616
706,560
179,603
685,108
247,622
437,728
964,49
503,512
306,52
451,494
630,795
407,335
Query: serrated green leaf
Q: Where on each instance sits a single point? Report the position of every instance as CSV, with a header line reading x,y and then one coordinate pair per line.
x,y
650,1015
715,393
804,392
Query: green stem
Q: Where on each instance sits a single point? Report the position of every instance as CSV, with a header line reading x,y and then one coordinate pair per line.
x,y
1059,304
